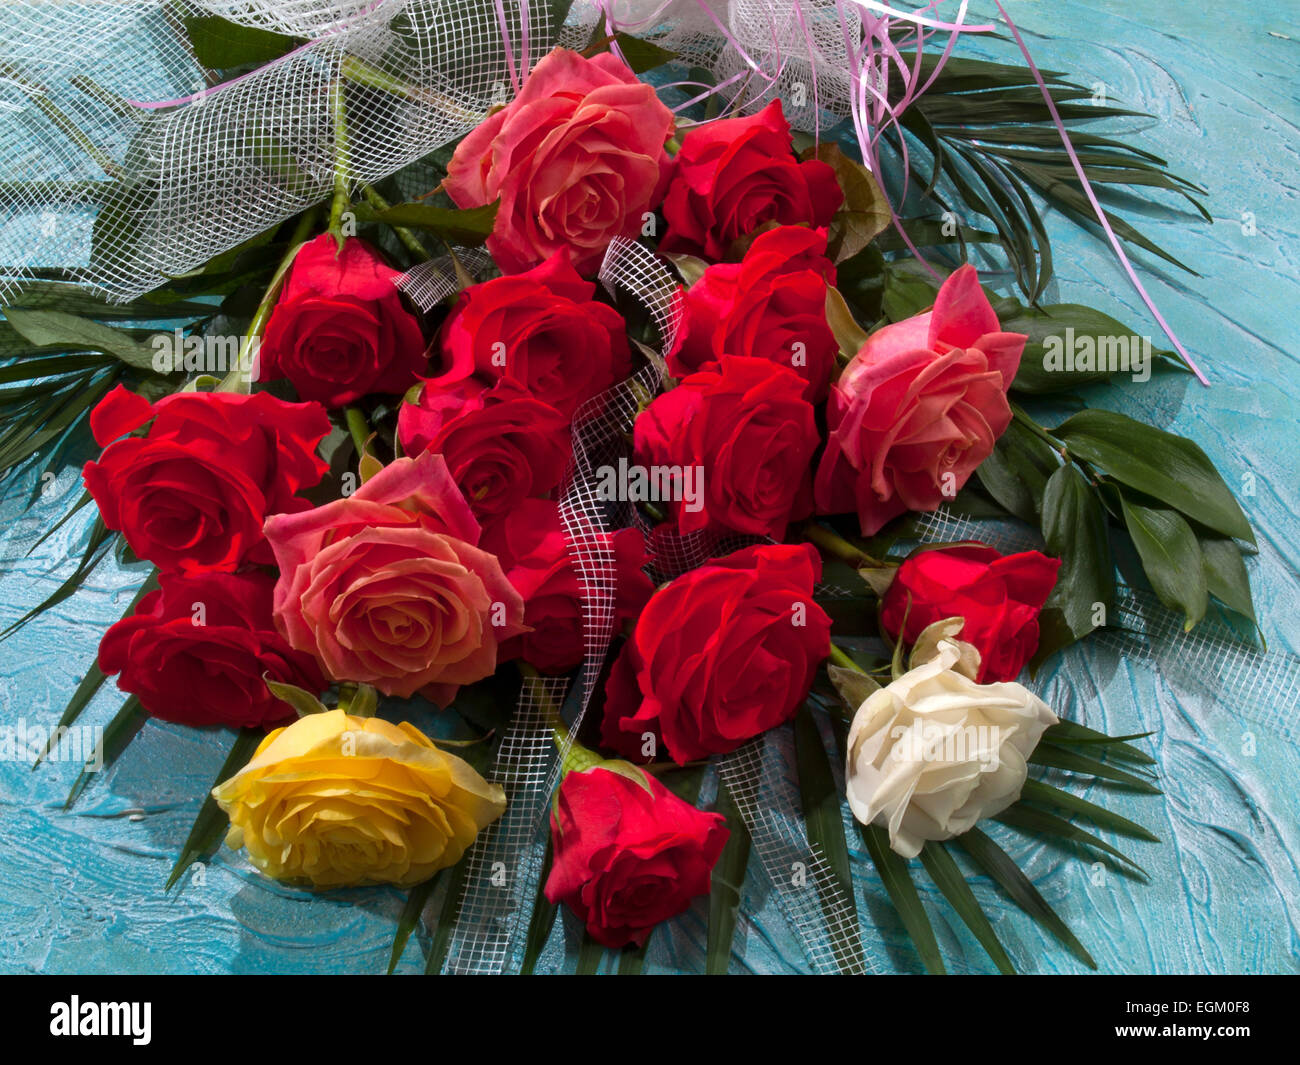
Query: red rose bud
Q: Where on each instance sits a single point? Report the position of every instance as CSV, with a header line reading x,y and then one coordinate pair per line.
x,y
541,329
501,444
1000,597
918,408
196,650
576,159
735,175
628,853
531,545
747,426
725,652
340,330
191,494
771,305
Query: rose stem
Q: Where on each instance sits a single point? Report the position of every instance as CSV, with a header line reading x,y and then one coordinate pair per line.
x,y
840,657
836,546
359,428
342,199
409,240
235,380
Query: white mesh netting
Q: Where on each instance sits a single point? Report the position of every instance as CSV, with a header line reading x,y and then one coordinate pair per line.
x,y
125,162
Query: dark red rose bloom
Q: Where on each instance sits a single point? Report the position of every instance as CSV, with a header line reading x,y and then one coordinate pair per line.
x,y
726,651
531,545
192,492
501,444
196,649
748,429
541,329
340,329
735,175
628,853
1000,597
771,305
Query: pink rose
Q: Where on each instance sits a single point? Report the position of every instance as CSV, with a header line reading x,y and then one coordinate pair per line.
x,y
918,408
388,587
576,159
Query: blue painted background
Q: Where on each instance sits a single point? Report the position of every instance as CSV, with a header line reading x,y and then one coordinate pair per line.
x,y
80,891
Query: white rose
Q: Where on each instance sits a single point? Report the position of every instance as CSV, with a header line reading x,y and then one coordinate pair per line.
x,y
934,752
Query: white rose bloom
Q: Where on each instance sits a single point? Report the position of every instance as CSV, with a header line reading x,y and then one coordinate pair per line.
x,y
934,752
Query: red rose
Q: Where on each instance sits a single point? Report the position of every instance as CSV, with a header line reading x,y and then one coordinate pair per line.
x,y
918,408
541,329
576,159
735,175
531,545
726,651
999,596
771,305
196,649
748,429
192,492
340,330
501,444
628,853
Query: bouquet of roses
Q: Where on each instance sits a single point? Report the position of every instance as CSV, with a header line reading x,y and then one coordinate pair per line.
x,y
616,438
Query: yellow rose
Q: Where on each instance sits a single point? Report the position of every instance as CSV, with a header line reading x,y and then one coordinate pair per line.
x,y
334,800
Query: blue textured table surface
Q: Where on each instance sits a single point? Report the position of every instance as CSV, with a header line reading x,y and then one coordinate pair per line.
x,y
81,890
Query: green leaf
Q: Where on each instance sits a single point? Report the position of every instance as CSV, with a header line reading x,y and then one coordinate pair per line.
x,y
728,881
590,955
642,55
821,803
1037,791
1074,530
78,300
50,329
632,959
220,44
865,211
848,334
1072,733
1225,575
1056,758
468,227
543,917
416,899
1071,345
1037,823
451,901
1171,558
1016,473
304,702
211,822
1007,875
948,879
898,883
118,735
852,685
32,369
906,294
821,799
1170,468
